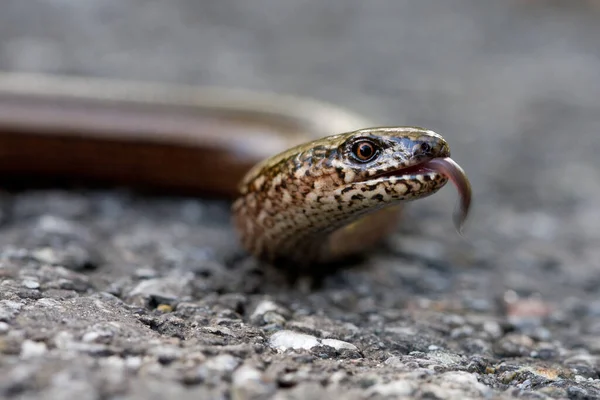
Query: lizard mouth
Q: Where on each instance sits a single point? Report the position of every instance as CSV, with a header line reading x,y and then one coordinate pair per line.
x,y
448,168
422,168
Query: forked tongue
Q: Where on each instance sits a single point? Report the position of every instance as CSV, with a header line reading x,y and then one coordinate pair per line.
x,y
450,169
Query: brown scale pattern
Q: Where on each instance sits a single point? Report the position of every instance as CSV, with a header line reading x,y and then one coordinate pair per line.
x,y
317,203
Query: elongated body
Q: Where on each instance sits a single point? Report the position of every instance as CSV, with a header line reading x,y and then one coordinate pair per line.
x,y
322,197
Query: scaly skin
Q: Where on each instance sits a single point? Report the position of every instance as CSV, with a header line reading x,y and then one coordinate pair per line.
x,y
317,202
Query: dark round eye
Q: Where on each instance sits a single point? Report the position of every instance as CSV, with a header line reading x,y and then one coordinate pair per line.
x,y
425,147
364,150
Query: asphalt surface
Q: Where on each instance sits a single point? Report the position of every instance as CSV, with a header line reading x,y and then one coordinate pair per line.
x,y
115,295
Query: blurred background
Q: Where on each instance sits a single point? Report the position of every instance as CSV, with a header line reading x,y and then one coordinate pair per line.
x,y
513,85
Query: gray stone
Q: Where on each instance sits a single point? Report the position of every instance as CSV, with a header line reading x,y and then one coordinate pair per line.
x,y
250,383
166,289
394,389
9,309
222,363
513,345
268,312
166,354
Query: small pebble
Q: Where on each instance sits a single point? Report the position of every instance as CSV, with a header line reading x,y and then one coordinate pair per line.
x,y
249,383
514,345
222,363
284,340
393,389
29,284
164,308
9,309
268,312
166,354
338,344
31,349
493,329
146,273
95,336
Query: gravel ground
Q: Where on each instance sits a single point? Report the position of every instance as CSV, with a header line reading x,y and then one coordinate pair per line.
x,y
115,295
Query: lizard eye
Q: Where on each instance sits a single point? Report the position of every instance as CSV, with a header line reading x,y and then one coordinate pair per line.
x,y
364,150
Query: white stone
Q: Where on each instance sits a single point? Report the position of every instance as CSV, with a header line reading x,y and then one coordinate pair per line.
x,y
396,388
263,307
223,362
284,340
31,284
338,344
31,349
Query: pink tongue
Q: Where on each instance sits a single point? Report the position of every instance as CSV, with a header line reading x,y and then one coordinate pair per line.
x,y
450,169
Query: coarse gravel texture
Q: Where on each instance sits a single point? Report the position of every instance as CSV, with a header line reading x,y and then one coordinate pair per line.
x,y
111,294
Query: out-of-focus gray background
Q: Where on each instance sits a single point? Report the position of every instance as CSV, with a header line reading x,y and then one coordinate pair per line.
x,y
514,86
